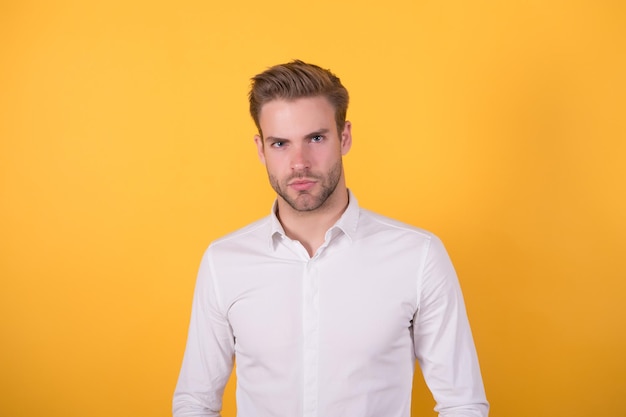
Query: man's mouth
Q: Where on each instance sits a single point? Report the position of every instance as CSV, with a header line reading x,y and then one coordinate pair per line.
x,y
302,184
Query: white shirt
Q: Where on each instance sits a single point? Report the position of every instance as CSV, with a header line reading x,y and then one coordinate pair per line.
x,y
333,335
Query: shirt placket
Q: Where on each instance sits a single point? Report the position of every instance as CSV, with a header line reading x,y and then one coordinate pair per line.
x,y
310,316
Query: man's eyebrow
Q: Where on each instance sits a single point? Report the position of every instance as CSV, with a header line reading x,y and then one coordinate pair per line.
x,y
317,133
275,139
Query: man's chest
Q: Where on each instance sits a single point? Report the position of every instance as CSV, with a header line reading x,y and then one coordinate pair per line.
x,y
349,304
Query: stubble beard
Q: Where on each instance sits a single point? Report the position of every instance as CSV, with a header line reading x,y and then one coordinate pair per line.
x,y
304,201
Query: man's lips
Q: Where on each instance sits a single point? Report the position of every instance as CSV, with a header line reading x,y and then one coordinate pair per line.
x,y
302,184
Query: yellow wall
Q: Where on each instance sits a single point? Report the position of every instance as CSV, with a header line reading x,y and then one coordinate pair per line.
x,y
125,148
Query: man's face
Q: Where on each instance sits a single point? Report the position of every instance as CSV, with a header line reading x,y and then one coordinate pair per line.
x,y
302,150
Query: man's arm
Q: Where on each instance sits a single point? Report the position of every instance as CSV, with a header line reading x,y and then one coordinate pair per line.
x,y
208,360
443,340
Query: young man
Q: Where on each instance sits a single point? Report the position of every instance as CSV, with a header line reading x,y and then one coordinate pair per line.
x,y
324,305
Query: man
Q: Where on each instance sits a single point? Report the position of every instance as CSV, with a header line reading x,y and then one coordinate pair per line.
x,y
325,305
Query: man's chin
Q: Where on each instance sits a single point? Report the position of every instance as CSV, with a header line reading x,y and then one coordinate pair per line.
x,y
304,202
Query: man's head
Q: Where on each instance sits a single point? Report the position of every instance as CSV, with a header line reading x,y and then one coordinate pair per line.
x,y
300,111
295,80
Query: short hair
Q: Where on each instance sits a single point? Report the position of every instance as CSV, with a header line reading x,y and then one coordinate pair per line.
x,y
294,80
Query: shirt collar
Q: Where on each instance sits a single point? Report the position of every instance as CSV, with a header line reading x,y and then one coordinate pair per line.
x,y
347,223
276,232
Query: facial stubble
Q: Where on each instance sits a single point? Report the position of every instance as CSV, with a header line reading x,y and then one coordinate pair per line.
x,y
304,201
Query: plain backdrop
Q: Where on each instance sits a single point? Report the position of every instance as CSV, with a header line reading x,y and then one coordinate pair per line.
x,y
126,147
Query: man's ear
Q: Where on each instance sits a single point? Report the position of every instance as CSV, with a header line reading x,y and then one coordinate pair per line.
x,y
259,147
346,138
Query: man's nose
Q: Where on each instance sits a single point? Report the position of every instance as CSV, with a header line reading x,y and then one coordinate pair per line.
x,y
300,158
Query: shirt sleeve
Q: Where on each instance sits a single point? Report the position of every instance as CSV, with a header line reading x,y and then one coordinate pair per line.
x,y
208,360
443,342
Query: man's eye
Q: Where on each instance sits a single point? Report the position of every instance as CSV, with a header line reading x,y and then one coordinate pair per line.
x,y
317,138
277,144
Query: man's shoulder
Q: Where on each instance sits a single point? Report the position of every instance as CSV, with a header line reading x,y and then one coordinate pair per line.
x,y
259,229
372,222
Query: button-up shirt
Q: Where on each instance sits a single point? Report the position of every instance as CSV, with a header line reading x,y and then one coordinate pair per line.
x,y
332,335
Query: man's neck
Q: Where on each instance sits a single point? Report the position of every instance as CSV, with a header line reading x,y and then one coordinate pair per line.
x,y
310,227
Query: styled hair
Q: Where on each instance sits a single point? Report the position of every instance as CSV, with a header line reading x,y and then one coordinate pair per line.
x,y
294,80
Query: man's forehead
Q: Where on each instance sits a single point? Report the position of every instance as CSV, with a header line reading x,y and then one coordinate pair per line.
x,y
296,117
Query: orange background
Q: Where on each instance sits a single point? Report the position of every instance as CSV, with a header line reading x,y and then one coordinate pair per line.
x,y
126,147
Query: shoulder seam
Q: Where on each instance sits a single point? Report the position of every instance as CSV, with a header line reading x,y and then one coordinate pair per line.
x,y
398,224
